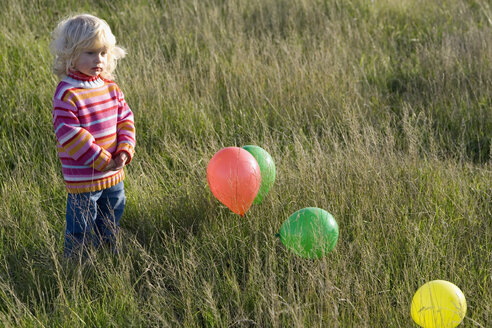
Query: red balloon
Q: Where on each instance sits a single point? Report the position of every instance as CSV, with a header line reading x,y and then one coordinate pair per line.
x,y
234,177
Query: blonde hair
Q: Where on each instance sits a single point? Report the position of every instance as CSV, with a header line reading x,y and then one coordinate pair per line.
x,y
76,33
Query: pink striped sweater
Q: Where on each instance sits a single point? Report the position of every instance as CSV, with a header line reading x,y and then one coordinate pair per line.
x,y
92,123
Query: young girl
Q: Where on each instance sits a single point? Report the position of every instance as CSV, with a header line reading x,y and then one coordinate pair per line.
x,y
94,129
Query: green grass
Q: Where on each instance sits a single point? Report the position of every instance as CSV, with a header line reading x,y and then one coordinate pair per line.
x,y
377,111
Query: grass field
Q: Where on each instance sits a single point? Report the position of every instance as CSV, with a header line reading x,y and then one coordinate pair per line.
x,y
379,112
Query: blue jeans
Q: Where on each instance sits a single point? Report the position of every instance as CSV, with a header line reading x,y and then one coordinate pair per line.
x,y
93,219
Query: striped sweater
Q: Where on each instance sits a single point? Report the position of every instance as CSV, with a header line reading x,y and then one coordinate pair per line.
x,y
92,123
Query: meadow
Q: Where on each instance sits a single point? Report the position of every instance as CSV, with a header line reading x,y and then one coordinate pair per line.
x,y
377,111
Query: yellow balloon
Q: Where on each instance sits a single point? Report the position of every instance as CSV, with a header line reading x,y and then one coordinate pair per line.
x,y
438,304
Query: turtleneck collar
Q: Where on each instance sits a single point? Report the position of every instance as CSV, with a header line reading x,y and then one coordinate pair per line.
x,y
81,80
81,76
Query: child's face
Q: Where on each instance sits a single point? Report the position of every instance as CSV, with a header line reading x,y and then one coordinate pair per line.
x,y
92,61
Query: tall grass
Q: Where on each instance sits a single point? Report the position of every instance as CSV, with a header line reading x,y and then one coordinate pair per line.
x,y
377,111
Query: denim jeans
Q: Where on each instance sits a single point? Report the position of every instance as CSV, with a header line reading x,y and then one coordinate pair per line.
x,y
93,219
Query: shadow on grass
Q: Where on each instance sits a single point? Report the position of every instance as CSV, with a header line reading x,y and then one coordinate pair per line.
x,y
180,215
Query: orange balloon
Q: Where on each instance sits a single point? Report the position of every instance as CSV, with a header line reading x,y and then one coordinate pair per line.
x,y
234,177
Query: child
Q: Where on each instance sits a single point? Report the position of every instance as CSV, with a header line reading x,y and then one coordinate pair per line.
x,y
94,129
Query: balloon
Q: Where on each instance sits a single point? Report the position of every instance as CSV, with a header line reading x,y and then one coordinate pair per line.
x,y
234,178
310,232
267,168
438,304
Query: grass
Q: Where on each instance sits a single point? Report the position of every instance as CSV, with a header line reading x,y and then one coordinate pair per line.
x,y
377,111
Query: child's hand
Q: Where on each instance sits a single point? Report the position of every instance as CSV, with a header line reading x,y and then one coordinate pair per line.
x,y
110,167
120,160
117,163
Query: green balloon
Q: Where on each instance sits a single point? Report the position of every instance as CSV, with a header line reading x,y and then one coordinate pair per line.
x,y
267,170
311,232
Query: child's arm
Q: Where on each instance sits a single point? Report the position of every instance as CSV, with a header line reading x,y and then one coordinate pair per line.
x,y
125,131
77,142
